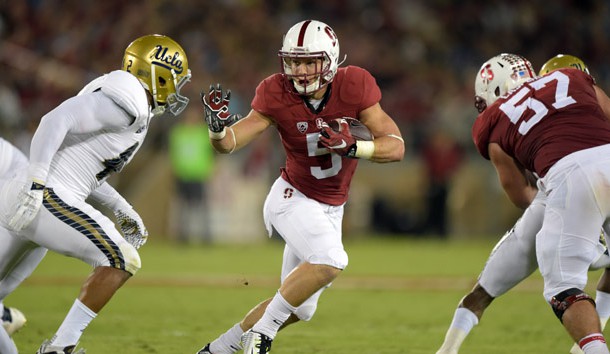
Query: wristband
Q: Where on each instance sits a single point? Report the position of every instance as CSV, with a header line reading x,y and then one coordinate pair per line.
x,y
218,135
364,149
234,140
38,172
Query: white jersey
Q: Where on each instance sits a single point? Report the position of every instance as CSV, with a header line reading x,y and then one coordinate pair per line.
x,y
94,134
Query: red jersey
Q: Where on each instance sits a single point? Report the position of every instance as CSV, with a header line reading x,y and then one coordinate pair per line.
x,y
544,120
314,171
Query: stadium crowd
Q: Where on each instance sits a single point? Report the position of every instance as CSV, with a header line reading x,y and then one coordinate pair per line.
x,y
424,54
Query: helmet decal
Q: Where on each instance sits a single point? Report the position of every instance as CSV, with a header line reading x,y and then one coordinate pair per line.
x,y
487,74
161,58
302,33
332,35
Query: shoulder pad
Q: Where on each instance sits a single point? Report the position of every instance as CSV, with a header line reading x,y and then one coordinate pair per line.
x,y
271,95
353,82
124,89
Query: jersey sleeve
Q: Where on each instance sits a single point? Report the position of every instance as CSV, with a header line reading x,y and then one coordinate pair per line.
x,y
271,96
259,102
125,90
82,114
372,93
359,88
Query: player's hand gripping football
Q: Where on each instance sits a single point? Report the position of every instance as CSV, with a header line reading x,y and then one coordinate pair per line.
x,y
216,107
341,142
132,226
30,200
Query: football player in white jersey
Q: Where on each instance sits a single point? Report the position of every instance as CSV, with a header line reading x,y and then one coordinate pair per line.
x,y
516,253
11,160
74,149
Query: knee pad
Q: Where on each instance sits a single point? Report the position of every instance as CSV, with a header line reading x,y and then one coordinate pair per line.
x,y
566,298
334,257
306,312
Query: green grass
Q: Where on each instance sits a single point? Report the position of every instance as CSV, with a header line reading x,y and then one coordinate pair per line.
x,y
396,296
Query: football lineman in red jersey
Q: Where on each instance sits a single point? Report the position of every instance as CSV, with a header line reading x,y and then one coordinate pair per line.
x,y
555,126
305,204
514,258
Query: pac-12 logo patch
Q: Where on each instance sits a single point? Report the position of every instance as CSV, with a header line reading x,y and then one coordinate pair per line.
x,y
302,127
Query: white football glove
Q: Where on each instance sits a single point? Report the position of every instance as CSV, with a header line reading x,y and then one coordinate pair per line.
x,y
29,203
132,226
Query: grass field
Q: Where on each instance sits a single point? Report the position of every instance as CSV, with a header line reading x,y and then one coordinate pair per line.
x,y
396,296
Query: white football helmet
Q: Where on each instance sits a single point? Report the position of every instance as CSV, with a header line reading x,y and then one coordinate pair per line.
x,y
310,40
499,75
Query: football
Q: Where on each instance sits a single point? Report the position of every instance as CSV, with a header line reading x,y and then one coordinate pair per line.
x,y
358,130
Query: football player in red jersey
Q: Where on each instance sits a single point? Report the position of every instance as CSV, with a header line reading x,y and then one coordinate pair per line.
x,y
555,126
305,204
514,258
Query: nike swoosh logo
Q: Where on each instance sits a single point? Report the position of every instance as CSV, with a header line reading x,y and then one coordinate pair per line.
x,y
340,146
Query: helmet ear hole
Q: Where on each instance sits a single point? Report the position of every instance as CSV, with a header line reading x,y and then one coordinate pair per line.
x,y
162,81
497,92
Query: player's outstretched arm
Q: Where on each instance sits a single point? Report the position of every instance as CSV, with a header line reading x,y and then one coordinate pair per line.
x,y
226,135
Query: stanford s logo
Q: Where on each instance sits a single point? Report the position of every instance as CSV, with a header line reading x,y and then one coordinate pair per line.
x,y
486,73
329,31
288,193
302,127
168,61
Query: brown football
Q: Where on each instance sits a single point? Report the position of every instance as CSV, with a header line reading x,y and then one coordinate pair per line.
x,y
358,130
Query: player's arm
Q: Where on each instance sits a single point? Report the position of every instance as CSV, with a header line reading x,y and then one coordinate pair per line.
x,y
130,222
388,143
230,132
241,132
80,114
512,177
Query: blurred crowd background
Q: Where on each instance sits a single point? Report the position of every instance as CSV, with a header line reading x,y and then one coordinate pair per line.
x,y
423,53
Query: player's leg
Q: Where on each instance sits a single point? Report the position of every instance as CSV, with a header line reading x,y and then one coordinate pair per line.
x,y
72,227
7,346
230,341
514,252
312,231
602,295
18,258
602,305
567,243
